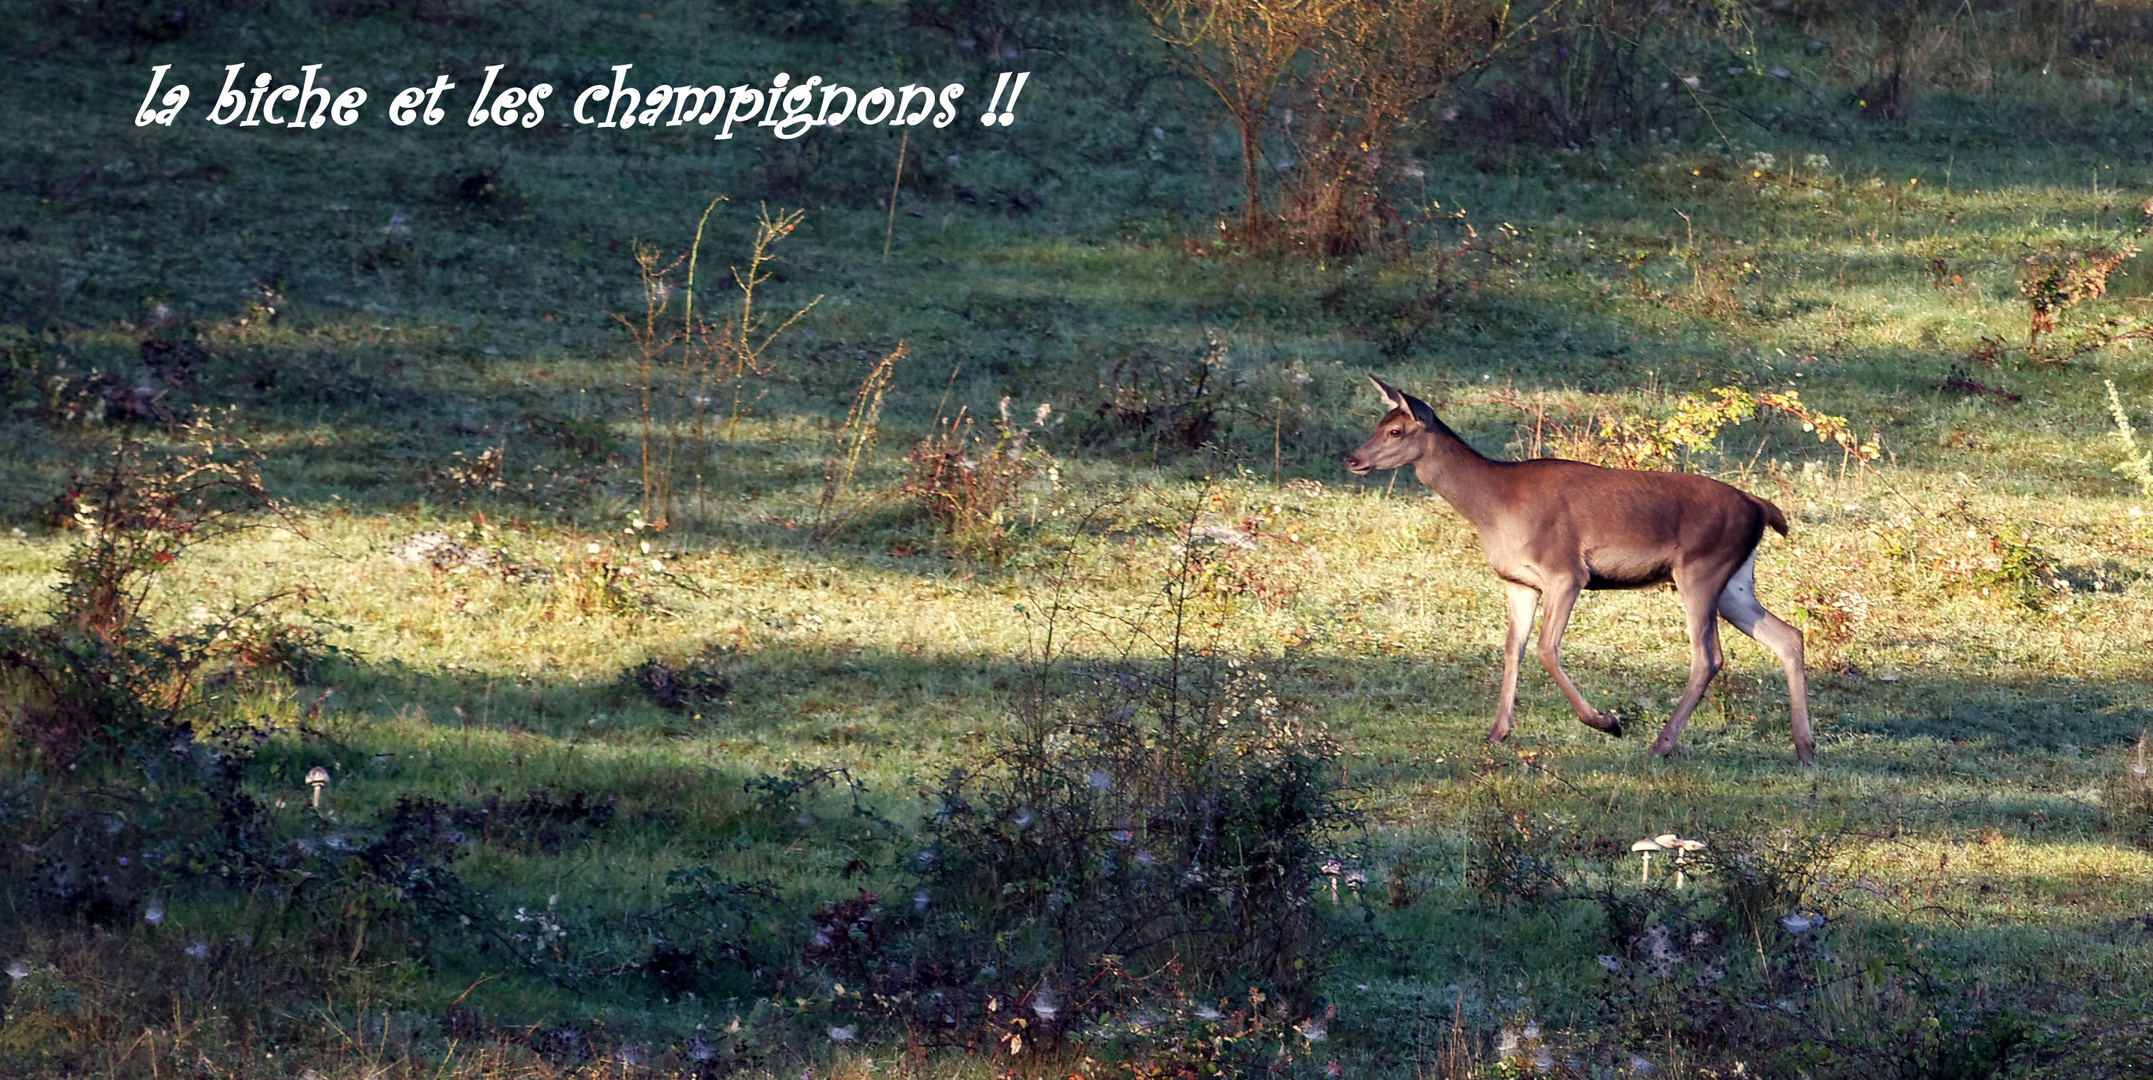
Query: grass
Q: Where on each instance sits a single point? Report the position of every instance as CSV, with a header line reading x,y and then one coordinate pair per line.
x,y
1973,715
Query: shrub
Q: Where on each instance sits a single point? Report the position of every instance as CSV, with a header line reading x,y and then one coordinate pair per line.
x,y
701,682
1517,855
1170,814
1631,440
1152,403
1597,70
2056,281
1356,71
99,673
965,483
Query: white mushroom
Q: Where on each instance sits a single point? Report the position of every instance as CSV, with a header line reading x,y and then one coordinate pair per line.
x,y
317,778
1683,848
1646,847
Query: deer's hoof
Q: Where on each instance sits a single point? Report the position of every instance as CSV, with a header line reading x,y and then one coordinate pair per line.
x,y
1607,722
1663,748
1806,753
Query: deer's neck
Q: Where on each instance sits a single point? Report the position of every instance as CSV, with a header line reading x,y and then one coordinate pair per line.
x,y
1458,473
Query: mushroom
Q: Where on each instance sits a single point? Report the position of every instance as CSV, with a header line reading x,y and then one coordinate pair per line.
x,y
317,778
1683,848
1646,847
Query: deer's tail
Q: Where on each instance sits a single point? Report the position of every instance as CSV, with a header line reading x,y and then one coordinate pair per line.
x,y
1773,515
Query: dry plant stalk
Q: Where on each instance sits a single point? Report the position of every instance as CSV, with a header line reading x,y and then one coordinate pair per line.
x,y
857,436
2137,464
651,343
706,352
739,339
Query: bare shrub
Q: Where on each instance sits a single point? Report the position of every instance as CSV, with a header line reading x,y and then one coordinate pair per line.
x,y
1373,72
1150,401
1339,80
1595,69
1240,50
966,483
1398,306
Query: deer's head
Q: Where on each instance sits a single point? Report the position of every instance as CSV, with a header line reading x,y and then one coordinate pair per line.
x,y
1397,439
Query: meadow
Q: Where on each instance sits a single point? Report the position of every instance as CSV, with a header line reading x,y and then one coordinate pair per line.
x,y
960,652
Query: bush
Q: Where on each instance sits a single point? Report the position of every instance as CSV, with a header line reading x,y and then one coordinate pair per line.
x,y
99,674
1130,820
701,682
1163,816
1150,403
1596,71
965,484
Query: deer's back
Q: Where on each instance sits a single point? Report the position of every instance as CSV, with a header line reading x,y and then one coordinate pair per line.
x,y
1630,528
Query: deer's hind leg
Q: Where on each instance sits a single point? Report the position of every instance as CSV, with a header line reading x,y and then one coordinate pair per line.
x,y
1738,605
1700,607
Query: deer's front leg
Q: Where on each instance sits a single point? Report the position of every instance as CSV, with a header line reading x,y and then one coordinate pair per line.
x,y
1561,596
1523,599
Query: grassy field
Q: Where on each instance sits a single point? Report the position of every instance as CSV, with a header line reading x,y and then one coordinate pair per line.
x,y
705,781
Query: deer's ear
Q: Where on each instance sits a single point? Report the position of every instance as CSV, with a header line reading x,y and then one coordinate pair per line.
x,y
1392,396
1418,409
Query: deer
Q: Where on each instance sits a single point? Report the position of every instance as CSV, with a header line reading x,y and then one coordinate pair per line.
x,y
1551,528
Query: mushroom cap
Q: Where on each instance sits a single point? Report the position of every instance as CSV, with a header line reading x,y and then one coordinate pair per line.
x,y
1690,845
1668,840
1647,845
317,775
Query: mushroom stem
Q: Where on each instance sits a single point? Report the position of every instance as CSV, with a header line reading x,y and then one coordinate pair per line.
x,y
1648,865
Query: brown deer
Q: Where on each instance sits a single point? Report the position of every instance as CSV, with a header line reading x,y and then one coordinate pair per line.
x,y
1551,528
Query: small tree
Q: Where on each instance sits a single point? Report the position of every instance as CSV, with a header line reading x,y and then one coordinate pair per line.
x,y
1358,70
1240,50
1375,67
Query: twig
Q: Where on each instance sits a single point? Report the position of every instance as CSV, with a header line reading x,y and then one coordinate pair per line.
x,y
890,229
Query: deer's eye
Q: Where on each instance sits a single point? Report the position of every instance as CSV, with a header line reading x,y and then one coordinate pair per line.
x,y
1396,432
